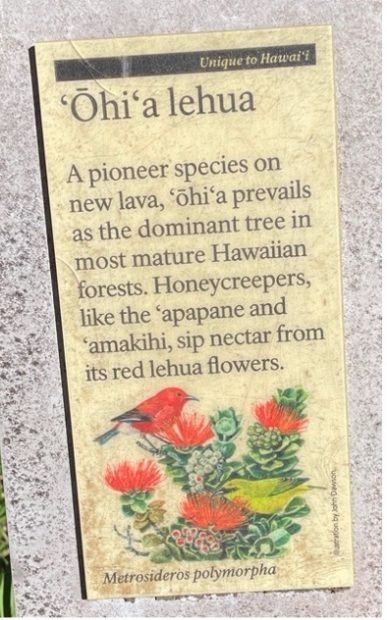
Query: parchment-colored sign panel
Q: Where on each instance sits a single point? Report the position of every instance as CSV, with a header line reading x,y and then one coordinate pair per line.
x,y
191,199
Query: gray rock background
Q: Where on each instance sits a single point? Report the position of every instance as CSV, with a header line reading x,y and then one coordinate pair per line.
x,y
34,446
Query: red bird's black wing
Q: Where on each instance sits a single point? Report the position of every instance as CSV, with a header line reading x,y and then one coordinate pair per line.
x,y
132,415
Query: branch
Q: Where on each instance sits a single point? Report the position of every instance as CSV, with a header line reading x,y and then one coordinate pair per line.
x,y
128,537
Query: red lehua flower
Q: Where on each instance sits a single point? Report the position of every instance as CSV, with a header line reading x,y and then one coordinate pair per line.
x,y
130,477
274,416
205,510
189,430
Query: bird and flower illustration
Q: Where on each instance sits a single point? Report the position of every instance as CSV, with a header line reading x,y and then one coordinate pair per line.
x,y
233,507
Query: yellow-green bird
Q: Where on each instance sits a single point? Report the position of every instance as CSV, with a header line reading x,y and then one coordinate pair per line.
x,y
266,496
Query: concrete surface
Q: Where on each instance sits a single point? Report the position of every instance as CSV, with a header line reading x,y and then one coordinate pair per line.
x,y
33,430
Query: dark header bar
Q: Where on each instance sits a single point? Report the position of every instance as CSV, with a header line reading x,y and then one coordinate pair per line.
x,y
186,62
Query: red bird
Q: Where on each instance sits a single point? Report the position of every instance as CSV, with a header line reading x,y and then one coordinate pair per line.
x,y
152,415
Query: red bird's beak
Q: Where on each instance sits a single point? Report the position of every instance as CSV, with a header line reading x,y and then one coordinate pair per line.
x,y
188,397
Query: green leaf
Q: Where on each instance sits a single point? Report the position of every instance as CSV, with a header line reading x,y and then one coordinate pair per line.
x,y
265,546
254,472
279,537
289,462
226,449
265,452
151,540
210,484
230,553
290,393
126,498
254,529
242,552
286,473
130,499
177,473
139,505
284,522
162,555
142,495
287,470
126,509
276,464
297,507
226,424
174,551
225,427
214,555
172,456
292,448
228,471
293,528
261,528
191,554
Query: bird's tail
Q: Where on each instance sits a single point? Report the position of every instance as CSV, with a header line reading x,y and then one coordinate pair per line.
x,y
102,439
